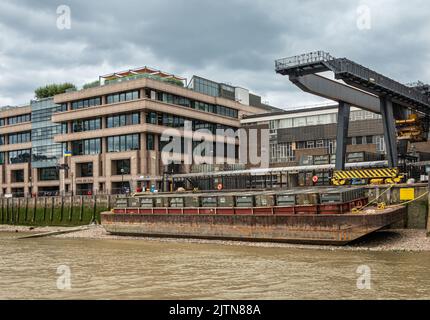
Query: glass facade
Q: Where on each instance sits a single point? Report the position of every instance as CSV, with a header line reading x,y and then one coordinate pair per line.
x,y
123,143
45,152
123,120
205,86
86,103
85,147
20,156
123,96
20,137
86,125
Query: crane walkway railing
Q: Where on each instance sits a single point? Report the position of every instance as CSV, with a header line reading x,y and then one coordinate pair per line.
x,y
346,69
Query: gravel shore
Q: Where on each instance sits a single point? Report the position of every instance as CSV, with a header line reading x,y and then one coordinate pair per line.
x,y
385,240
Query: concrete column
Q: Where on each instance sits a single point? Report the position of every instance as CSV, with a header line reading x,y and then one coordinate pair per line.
x,y
390,136
143,154
62,175
27,174
103,171
157,170
342,134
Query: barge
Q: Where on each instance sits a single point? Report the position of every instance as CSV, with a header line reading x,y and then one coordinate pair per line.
x,y
333,216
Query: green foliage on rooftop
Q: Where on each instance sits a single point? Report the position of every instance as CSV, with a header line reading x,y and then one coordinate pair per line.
x,y
53,89
93,84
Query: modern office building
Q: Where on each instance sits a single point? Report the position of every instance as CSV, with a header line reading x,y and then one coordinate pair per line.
x,y
107,138
307,136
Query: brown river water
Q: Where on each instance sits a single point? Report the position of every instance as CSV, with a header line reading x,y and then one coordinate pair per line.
x,y
143,269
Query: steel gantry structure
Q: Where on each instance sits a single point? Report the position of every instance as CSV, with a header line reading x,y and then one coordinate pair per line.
x,y
361,87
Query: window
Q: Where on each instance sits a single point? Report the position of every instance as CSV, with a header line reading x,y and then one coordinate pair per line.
x,y
86,103
281,152
19,156
299,122
285,123
86,125
47,153
312,121
123,96
152,117
123,143
320,143
310,144
225,111
48,174
149,141
19,119
206,86
202,106
17,175
86,169
356,115
83,147
380,143
121,167
123,120
21,137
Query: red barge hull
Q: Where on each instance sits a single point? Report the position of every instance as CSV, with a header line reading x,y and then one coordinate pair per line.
x,y
312,224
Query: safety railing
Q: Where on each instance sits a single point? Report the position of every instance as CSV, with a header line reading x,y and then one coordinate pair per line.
x,y
347,66
303,59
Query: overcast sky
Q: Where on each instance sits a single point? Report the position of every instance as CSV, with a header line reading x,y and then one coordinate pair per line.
x,y
232,41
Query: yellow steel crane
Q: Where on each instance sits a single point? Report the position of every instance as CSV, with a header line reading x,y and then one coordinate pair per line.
x,y
411,129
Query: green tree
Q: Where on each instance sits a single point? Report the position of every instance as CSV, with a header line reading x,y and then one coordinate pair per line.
x,y
95,83
53,89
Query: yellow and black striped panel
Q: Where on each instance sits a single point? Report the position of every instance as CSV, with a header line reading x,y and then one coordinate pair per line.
x,y
366,173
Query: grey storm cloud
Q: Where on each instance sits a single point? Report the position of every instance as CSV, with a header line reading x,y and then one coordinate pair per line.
x,y
232,41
